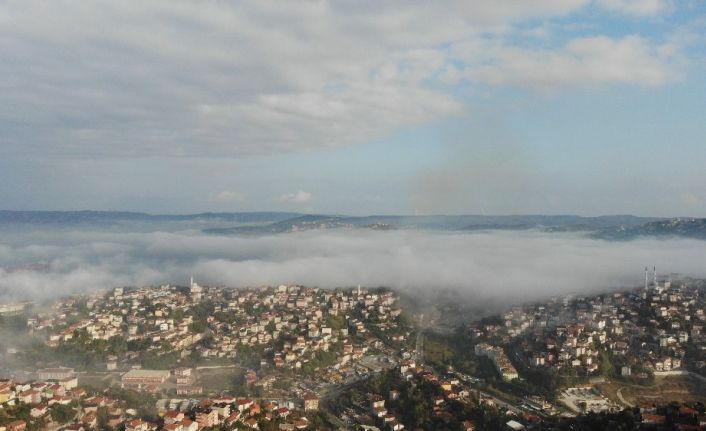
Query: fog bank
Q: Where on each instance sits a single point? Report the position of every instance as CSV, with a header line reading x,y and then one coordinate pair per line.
x,y
484,265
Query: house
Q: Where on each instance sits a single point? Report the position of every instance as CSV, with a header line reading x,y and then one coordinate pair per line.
x,y
115,417
183,372
16,426
514,425
56,399
111,363
652,419
233,418
189,425
139,425
69,383
311,402
646,407
376,402
38,411
243,404
207,418
251,423
301,423
173,416
30,397
687,411
90,419
223,410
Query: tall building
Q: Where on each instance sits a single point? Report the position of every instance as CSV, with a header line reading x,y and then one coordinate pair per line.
x,y
196,291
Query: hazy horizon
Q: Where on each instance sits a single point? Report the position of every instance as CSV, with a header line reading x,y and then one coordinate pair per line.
x,y
493,108
335,214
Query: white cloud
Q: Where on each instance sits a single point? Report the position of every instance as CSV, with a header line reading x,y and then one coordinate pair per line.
x,y
298,197
173,78
227,196
631,60
637,7
691,200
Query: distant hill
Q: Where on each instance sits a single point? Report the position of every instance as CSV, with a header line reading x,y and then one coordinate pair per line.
x,y
72,217
561,223
694,228
120,220
298,223
612,228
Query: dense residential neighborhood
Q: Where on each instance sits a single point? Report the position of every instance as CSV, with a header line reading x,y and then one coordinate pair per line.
x,y
287,341
293,357
638,335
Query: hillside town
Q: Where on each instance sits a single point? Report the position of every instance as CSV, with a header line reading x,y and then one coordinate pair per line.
x,y
287,342
653,331
293,358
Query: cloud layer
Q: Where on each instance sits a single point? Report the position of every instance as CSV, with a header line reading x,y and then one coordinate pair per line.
x,y
298,197
490,266
227,196
584,61
637,7
125,79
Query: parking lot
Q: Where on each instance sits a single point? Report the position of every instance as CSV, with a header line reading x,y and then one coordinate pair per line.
x,y
586,399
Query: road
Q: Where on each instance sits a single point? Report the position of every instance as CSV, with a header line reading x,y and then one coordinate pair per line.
x,y
419,345
334,391
500,403
619,394
216,367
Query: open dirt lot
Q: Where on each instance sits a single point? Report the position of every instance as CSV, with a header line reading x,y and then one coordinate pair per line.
x,y
218,379
665,389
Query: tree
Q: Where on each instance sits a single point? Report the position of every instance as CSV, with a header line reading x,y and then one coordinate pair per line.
x,y
117,345
606,365
198,326
102,418
336,322
62,414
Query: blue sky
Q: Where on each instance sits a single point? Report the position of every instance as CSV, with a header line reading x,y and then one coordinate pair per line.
x,y
496,107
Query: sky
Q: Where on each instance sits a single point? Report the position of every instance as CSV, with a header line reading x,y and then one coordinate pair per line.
x,y
355,107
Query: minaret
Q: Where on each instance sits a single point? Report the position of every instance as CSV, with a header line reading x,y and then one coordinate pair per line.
x,y
654,273
192,281
195,291
359,290
647,279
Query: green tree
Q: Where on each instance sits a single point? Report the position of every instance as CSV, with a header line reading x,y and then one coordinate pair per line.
x,y
606,365
62,414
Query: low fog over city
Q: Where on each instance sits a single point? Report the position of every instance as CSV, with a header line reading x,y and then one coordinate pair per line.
x,y
331,215
499,265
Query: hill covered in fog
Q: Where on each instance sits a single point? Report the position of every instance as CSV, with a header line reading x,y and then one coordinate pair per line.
x,y
612,227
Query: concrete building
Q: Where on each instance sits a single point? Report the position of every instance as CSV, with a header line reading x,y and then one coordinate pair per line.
x,y
311,402
140,378
59,373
